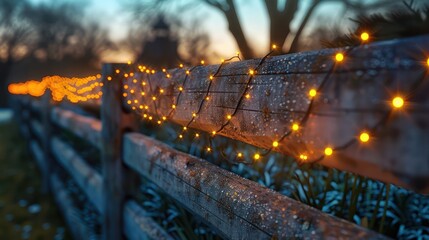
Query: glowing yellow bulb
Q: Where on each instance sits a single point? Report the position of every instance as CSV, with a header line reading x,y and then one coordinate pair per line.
x,y
295,127
161,90
187,72
339,57
303,157
132,91
213,132
145,115
364,36
146,107
143,93
211,77
180,65
141,106
150,117
185,128
328,151
129,102
194,115
153,71
248,96
275,144
180,88
312,92
228,117
154,98
109,78
251,72
129,62
274,47
222,60
126,87
208,149
164,118
168,75
117,71
207,98
239,154
202,62
124,94
180,136
397,102
256,156
173,106
364,137
197,135
159,122
144,83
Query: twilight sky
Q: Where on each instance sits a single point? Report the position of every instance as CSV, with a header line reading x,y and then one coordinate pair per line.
x,y
252,14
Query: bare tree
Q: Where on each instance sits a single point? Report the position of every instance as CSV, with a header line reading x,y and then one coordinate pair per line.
x,y
15,39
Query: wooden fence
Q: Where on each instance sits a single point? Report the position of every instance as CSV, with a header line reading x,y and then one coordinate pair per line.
x,y
235,207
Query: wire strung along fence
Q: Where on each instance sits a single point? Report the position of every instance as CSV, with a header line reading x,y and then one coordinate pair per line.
x,y
362,109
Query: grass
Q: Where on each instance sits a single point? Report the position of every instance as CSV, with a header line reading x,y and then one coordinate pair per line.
x,y
25,212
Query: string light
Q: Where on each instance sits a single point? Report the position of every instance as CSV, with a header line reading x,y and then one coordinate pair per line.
x,y
303,157
274,47
339,57
256,156
202,62
251,72
211,77
275,144
208,149
328,151
295,127
248,96
312,92
213,133
197,135
398,102
239,155
185,128
228,117
364,137
364,36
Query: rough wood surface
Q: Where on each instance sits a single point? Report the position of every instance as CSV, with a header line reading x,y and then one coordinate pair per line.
x,y
63,199
138,225
89,180
237,207
38,156
85,127
115,180
355,97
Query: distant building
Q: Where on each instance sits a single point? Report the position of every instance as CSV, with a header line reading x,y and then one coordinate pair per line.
x,y
162,50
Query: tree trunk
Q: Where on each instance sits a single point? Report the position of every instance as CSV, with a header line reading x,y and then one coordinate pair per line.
x,y
5,68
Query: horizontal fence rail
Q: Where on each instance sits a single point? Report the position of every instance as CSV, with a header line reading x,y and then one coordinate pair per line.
x,y
331,102
237,207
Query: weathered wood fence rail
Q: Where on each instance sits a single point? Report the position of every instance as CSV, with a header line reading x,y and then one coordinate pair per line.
x,y
236,208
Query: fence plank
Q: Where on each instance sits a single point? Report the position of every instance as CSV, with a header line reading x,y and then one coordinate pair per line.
x,y
37,129
89,180
353,95
237,207
138,225
115,122
38,156
85,127
65,203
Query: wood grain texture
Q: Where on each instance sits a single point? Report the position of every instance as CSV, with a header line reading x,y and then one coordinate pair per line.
x,y
85,127
89,180
353,96
238,208
63,199
138,225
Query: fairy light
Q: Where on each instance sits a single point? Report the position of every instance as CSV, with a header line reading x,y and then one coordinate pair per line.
x,y
228,117
150,117
275,144
143,93
312,92
180,136
202,62
180,88
208,149
129,62
153,71
274,47
211,77
129,102
124,94
397,102
164,118
173,106
168,75
239,155
247,96
364,36
109,78
207,98
185,128
159,122
303,157
164,70
213,133
181,65
197,135
194,115
161,90
117,71
222,60
132,91
339,57
251,72
256,156
295,127
188,72
364,137
328,151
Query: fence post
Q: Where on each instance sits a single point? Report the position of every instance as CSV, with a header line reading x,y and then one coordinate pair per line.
x,y
115,121
45,117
